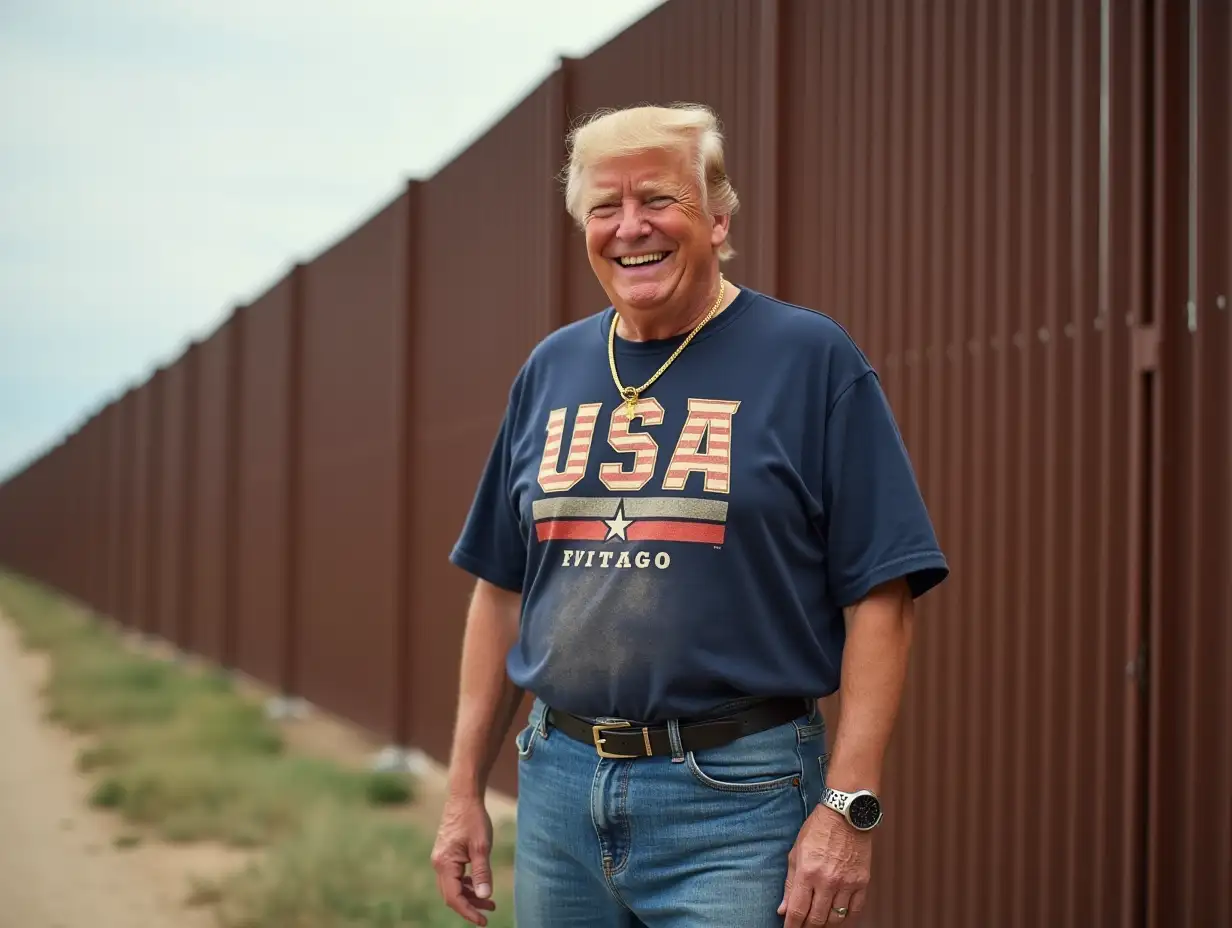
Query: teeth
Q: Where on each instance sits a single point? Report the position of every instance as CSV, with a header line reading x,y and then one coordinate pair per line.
x,y
643,259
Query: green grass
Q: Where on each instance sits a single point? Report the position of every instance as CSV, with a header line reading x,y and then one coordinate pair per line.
x,y
347,872
181,755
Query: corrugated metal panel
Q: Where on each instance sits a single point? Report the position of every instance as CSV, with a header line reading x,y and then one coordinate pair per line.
x,y
1213,696
55,498
1119,533
946,163
154,488
67,496
210,543
1191,834
37,561
101,484
84,465
69,463
142,510
262,537
354,389
124,493
472,333
176,449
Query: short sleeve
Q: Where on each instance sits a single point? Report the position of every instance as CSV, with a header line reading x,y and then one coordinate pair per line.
x,y
876,524
492,546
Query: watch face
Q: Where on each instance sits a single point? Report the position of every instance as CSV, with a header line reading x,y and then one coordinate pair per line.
x,y
865,811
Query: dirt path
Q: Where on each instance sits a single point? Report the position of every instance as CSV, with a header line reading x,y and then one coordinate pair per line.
x,y
59,865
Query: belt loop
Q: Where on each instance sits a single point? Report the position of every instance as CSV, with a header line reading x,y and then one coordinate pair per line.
x,y
539,717
673,735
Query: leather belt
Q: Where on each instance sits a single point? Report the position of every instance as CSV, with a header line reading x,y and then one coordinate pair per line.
x,y
624,740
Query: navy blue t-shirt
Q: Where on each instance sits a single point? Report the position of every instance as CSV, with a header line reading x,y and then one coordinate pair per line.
x,y
702,552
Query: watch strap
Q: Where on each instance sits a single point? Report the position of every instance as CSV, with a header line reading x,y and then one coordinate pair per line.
x,y
836,800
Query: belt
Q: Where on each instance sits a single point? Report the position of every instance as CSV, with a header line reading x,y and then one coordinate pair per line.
x,y
624,740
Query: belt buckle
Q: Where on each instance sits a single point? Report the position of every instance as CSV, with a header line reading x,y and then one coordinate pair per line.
x,y
596,730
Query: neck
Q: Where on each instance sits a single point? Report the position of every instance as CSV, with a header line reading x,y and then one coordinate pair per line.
x,y
642,326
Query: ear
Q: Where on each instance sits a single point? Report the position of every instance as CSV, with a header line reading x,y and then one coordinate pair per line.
x,y
718,231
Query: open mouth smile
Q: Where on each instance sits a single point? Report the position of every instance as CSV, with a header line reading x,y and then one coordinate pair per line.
x,y
643,260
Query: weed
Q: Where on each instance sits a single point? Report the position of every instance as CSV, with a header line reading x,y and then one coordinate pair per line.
x,y
346,870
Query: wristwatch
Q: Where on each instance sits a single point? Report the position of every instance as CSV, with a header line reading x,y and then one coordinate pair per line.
x,y
862,809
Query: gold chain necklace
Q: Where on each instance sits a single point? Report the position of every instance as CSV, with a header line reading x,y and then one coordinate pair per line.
x,y
631,394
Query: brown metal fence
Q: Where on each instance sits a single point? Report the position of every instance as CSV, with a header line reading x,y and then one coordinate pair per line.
x,y
1023,212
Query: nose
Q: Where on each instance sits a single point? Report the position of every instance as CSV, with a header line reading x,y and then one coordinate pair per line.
x,y
633,223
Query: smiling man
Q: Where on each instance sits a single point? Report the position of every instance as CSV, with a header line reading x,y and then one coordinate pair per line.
x,y
697,518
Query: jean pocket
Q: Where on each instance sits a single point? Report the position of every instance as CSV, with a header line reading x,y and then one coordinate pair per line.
x,y
756,763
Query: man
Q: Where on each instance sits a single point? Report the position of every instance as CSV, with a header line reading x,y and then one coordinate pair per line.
x,y
697,518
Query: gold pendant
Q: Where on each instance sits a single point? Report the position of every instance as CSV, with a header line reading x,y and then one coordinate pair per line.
x,y
630,395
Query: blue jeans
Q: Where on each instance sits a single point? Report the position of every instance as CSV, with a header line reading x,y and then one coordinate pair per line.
x,y
699,838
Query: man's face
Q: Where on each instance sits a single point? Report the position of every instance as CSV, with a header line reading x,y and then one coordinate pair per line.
x,y
647,237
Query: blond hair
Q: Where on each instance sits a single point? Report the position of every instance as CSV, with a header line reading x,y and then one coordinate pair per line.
x,y
680,126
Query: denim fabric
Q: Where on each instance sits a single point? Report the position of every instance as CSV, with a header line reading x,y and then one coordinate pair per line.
x,y
700,838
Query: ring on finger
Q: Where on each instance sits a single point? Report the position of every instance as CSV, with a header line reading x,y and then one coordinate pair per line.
x,y
840,911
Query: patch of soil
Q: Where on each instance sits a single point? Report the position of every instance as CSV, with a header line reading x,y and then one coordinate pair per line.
x,y
62,863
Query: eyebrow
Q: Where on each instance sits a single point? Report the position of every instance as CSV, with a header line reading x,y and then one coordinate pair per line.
x,y
599,193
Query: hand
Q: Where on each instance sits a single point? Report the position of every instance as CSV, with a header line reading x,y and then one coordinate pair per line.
x,y
465,837
828,868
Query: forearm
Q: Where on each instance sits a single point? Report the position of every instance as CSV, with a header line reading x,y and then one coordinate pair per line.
x,y
487,699
879,631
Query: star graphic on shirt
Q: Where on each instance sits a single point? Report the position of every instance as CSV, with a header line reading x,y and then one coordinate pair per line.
x,y
616,527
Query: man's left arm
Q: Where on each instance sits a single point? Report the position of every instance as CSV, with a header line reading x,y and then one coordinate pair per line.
x,y
830,866
882,554
879,630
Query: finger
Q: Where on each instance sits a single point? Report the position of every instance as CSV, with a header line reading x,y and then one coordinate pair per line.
x,y
819,913
788,884
450,881
797,905
856,905
840,909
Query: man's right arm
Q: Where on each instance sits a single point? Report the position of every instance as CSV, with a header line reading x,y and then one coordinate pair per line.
x,y
487,699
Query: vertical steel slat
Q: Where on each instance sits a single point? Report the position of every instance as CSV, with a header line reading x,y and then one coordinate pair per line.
x,y
1001,813
1183,904
978,830
1053,240
932,450
1221,38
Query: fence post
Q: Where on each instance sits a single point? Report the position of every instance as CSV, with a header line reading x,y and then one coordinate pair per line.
x,y
288,676
188,498
235,392
407,460
156,386
560,101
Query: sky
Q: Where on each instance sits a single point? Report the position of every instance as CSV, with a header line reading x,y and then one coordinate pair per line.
x,y
164,160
